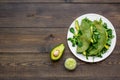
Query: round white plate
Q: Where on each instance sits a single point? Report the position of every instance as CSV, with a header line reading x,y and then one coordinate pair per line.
x,y
92,17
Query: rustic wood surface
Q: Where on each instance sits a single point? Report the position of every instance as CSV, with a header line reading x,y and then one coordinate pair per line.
x,y
29,29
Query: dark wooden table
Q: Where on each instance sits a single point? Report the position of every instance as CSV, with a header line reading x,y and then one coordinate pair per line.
x,y
30,28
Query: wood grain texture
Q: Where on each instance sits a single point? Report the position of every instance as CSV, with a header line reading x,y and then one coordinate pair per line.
x,y
29,29
61,1
53,15
39,65
31,39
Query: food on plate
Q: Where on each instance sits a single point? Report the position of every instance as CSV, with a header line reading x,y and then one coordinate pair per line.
x,y
57,52
91,38
70,63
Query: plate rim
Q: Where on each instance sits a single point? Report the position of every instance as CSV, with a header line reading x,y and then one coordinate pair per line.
x,y
111,47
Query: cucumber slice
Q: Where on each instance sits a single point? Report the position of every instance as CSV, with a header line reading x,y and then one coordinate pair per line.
x,y
70,64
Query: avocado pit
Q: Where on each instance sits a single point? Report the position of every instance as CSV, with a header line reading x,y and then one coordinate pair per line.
x,y
56,53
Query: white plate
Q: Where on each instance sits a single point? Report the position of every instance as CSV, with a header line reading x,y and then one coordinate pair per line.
x,y
92,17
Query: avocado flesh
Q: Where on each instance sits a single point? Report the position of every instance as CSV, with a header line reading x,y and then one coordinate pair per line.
x,y
60,48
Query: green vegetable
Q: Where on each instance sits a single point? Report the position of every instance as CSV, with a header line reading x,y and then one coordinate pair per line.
x,y
85,38
101,41
92,38
109,31
72,30
70,64
74,39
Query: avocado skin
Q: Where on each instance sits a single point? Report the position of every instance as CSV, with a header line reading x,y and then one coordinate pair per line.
x,y
61,48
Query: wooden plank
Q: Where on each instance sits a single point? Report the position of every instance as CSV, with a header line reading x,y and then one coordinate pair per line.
x,y
62,78
61,1
39,65
52,15
30,39
35,39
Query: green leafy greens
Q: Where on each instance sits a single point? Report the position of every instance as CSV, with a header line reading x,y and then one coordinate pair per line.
x,y
92,38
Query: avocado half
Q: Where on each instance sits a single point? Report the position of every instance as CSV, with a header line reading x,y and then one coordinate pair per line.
x,y
57,52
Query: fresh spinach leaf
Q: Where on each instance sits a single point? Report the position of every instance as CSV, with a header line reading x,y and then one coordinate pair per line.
x,y
105,25
80,44
72,30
